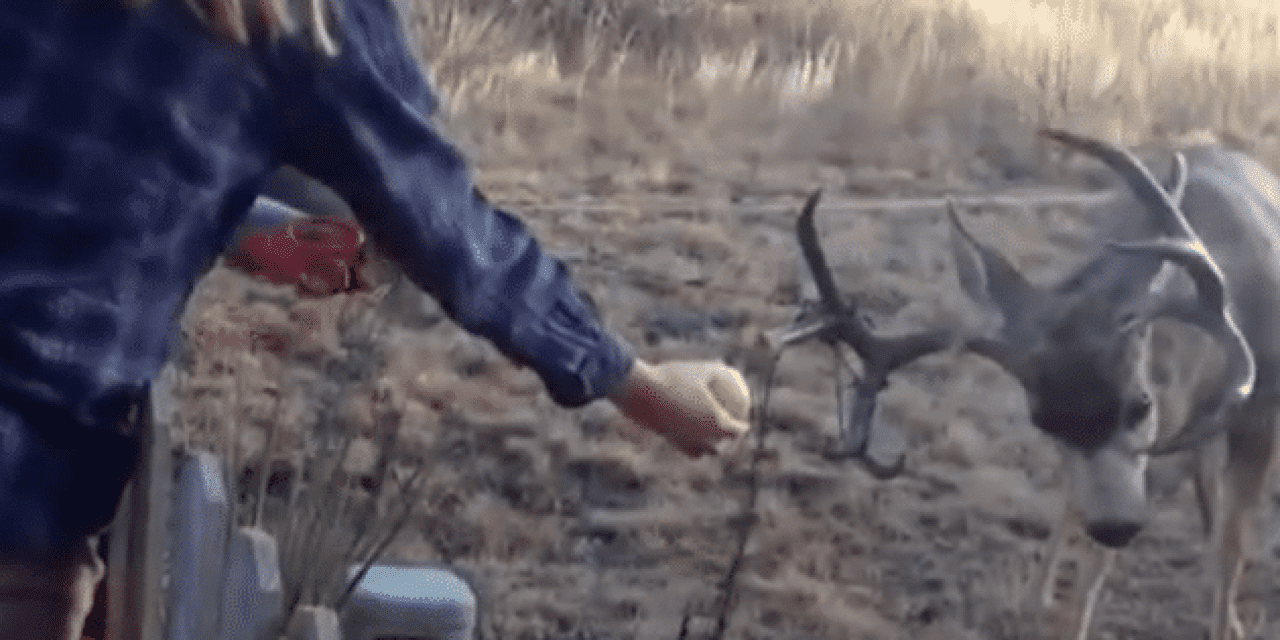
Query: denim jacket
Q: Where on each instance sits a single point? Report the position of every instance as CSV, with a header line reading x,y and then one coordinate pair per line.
x,y
131,146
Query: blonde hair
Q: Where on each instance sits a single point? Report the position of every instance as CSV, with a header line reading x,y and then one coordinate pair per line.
x,y
239,20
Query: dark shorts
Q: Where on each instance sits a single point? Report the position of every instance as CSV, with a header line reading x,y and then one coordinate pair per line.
x,y
60,482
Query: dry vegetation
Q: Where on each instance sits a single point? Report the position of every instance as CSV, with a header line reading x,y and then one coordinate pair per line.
x,y
660,147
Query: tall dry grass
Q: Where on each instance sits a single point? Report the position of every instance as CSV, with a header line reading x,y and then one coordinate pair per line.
x,y
848,80
290,393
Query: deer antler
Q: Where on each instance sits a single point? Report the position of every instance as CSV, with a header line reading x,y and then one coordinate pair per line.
x,y
1180,174
838,321
881,354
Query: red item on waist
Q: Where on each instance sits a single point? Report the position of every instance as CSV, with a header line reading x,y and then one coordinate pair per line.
x,y
320,256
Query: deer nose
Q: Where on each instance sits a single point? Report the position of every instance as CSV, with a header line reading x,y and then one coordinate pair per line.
x,y
1113,534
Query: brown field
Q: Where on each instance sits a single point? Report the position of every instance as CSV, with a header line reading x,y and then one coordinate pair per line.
x,y
662,148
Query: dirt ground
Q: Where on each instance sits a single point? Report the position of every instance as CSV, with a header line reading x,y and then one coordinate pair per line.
x,y
575,525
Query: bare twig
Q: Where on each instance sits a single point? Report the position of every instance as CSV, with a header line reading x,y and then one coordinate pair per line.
x,y
381,547
746,522
265,468
684,623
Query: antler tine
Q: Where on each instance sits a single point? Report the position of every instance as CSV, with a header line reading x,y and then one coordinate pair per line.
x,y
884,354
807,233
856,429
1180,174
1135,174
832,307
1189,256
880,355
839,320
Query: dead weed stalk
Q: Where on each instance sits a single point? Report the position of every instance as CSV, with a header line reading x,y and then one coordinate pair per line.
x,y
746,522
290,449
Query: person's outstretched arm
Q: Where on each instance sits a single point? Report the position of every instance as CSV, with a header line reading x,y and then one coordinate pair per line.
x,y
361,124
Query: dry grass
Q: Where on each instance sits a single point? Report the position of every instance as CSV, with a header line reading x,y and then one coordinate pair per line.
x,y
632,134
289,392
842,82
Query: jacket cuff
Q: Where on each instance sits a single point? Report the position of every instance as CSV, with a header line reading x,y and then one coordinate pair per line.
x,y
578,360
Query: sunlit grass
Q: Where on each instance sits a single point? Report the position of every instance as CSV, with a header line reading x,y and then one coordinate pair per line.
x,y
1127,70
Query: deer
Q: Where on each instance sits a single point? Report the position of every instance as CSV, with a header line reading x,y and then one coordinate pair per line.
x,y
1202,252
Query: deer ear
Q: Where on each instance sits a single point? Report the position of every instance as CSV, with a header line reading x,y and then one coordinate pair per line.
x,y
987,277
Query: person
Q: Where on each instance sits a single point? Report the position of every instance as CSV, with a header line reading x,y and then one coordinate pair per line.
x,y
134,136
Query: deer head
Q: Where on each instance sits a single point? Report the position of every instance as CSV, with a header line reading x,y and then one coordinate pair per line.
x,y
1080,348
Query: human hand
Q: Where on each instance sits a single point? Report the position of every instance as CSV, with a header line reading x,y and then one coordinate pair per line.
x,y
700,406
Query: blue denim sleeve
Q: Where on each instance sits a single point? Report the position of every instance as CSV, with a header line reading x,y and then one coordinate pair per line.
x,y
362,125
